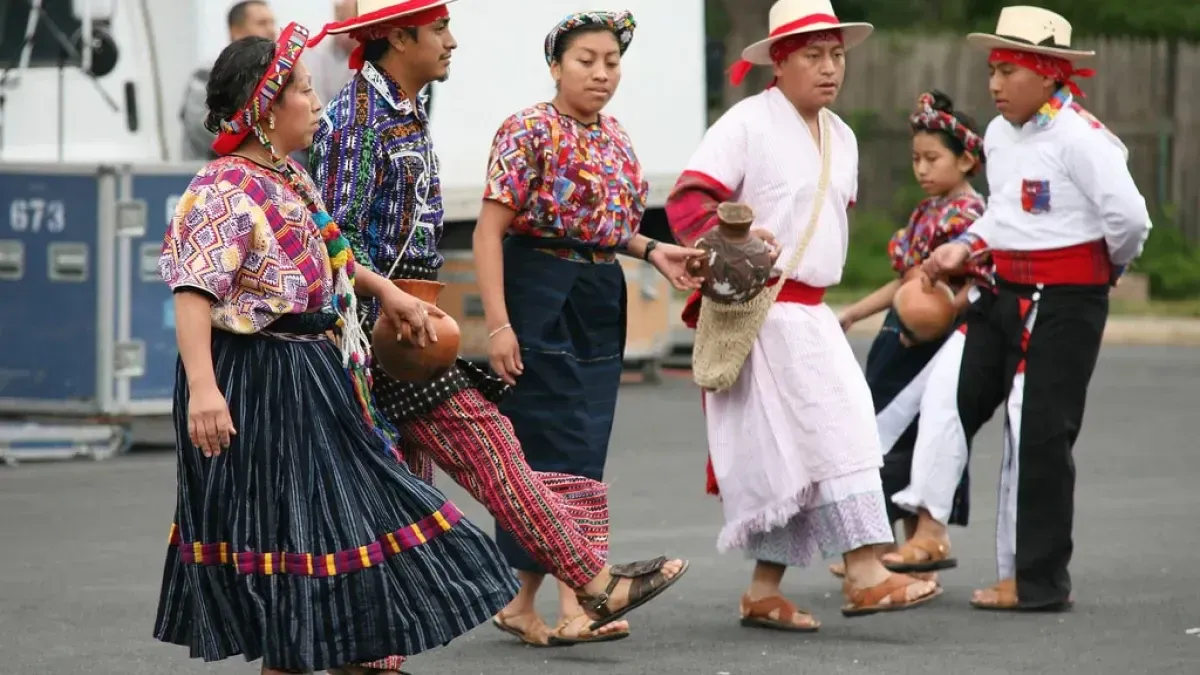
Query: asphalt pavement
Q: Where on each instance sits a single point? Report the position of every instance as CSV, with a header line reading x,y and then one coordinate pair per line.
x,y
81,554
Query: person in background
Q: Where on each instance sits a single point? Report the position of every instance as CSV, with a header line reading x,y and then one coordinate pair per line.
x,y
245,19
329,61
565,194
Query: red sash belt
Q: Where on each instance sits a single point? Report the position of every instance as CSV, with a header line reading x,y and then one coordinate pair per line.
x,y
792,291
1083,264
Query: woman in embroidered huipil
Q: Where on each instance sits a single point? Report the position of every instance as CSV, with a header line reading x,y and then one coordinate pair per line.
x,y
298,537
914,392
565,195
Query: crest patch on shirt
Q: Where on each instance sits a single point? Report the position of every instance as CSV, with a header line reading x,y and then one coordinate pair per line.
x,y
1035,196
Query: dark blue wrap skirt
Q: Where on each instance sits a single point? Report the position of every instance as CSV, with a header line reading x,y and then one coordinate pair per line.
x,y
569,319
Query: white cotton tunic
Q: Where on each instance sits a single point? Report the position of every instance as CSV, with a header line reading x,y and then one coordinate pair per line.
x,y
796,433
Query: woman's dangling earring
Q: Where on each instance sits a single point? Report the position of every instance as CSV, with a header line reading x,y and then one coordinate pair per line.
x,y
271,123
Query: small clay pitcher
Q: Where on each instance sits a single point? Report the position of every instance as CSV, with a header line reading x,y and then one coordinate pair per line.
x,y
399,356
738,264
925,307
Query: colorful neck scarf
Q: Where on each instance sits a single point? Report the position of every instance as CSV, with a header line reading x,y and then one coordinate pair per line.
x,y
621,24
1055,67
927,118
355,345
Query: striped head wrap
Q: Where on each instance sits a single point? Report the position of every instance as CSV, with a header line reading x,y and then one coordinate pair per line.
x,y
622,25
928,118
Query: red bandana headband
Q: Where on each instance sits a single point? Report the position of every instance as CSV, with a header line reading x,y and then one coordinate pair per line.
x,y
1055,67
288,48
381,30
789,44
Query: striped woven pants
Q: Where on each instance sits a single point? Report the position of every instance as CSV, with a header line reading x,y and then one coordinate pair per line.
x,y
560,519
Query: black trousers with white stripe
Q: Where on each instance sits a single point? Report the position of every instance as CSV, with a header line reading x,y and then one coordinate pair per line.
x,y
1033,349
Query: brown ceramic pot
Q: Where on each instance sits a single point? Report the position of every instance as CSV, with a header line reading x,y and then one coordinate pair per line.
x,y
401,358
926,309
738,264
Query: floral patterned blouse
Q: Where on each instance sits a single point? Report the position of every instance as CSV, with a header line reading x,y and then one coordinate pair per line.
x,y
935,221
568,180
243,237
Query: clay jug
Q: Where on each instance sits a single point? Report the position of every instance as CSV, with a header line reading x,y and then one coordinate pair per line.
x,y
738,264
925,308
401,358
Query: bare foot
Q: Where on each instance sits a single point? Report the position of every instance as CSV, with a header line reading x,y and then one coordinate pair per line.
x,y
527,627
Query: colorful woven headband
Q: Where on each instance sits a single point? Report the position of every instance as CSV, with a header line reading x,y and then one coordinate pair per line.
x,y
288,48
620,23
378,31
1055,67
928,118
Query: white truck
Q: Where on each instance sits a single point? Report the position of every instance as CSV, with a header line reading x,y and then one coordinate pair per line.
x,y
90,94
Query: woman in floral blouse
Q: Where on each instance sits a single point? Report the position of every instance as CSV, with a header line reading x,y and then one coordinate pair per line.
x,y
565,195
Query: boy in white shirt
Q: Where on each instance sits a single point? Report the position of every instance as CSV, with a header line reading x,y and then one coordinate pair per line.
x,y
1064,218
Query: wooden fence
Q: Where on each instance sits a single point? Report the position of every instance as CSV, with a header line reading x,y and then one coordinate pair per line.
x,y
1147,92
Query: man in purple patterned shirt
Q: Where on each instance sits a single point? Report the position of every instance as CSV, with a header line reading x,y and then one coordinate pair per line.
x,y
374,162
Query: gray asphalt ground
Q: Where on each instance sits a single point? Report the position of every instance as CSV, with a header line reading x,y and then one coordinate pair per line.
x,y
81,547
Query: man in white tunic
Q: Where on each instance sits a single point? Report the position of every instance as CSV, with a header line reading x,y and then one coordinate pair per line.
x,y
1064,218
793,443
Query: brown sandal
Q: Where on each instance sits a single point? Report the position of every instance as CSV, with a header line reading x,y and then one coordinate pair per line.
x,y
648,582
922,554
776,612
521,635
839,570
889,596
1004,599
585,636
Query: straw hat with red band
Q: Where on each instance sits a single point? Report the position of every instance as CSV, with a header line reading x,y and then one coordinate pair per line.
x,y
1037,39
797,17
375,17
288,49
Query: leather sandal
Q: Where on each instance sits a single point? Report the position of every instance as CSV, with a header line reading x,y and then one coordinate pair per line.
x,y
648,582
585,636
501,625
922,554
889,596
776,613
1004,599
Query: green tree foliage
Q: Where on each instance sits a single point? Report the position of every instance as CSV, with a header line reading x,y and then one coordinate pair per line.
x,y
1158,19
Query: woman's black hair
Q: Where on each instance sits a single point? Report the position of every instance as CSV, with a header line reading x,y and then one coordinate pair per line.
x,y
234,77
942,103
563,43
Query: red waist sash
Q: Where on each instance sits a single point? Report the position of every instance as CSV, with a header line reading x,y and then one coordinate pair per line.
x,y
792,291
1083,264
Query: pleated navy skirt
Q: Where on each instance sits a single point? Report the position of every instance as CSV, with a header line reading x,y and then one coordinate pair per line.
x,y
306,544
569,319
891,368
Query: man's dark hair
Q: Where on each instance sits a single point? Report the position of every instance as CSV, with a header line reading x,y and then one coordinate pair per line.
x,y
237,13
374,50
